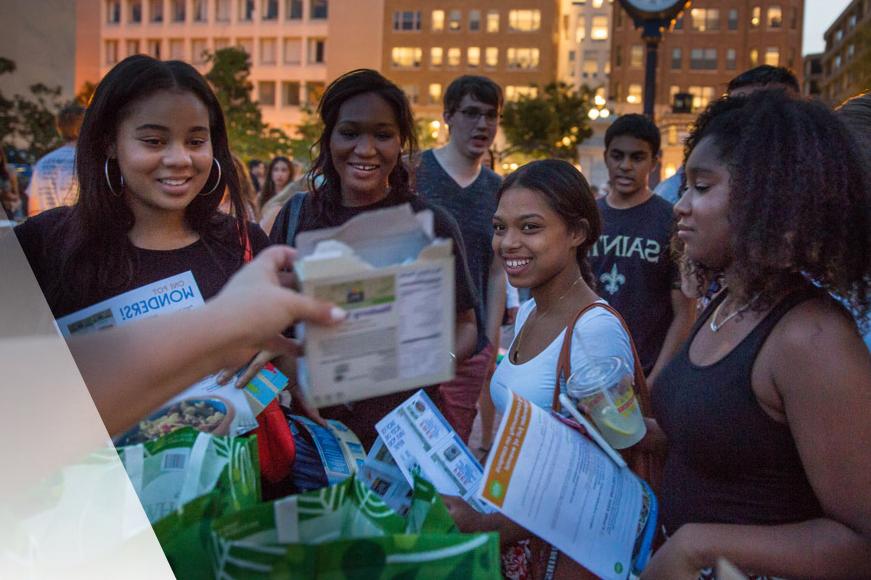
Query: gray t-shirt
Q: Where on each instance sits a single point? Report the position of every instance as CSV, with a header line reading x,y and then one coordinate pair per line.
x,y
473,208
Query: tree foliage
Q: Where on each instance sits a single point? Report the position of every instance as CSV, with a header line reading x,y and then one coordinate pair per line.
x,y
29,120
250,137
548,125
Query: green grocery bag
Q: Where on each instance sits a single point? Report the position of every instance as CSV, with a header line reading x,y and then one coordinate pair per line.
x,y
185,480
346,532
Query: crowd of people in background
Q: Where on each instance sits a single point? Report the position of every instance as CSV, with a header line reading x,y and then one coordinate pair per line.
x,y
736,297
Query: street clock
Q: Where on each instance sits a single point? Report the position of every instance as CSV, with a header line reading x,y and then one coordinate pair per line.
x,y
653,10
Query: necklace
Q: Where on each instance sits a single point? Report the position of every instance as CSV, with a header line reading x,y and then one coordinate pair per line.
x,y
715,326
520,335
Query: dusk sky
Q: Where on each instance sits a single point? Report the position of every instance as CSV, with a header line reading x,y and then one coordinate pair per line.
x,y
818,16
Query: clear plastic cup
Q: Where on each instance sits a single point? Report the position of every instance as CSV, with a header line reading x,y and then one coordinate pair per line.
x,y
603,390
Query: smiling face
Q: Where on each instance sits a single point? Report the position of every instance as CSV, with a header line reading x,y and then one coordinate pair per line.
x,y
629,161
473,127
164,152
703,210
533,241
365,146
280,175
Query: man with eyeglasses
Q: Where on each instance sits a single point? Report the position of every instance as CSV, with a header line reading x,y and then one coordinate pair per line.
x,y
454,176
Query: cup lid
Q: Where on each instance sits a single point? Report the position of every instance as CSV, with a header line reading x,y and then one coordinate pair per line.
x,y
595,374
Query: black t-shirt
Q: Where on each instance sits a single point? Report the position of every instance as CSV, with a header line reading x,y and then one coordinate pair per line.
x,y
466,294
473,208
635,271
212,260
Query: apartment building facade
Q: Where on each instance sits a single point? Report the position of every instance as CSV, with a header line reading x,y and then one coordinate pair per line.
x,y
839,82
710,43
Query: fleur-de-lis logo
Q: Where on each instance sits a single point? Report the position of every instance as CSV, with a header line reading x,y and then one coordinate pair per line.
x,y
612,280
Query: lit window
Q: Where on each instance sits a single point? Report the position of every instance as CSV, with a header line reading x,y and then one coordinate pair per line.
x,y
599,29
474,20
756,17
267,51
406,20
491,57
522,58
412,92
515,92
597,3
775,17
636,56
492,21
580,30
705,19
634,95
754,57
292,51
266,93
473,56
436,56
435,93
111,52
438,20
290,93
317,51
524,20
701,96
590,67
454,57
454,18
772,56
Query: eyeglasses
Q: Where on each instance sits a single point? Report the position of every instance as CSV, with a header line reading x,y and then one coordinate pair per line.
x,y
473,114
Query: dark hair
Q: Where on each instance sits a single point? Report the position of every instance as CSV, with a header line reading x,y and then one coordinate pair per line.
x,y
269,187
856,115
69,121
328,191
567,192
764,75
98,255
480,88
637,126
798,208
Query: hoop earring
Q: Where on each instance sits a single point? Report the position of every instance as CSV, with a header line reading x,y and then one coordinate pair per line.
x,y
109,181
218,182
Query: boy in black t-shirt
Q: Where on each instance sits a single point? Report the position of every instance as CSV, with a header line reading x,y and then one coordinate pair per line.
x,y
632,259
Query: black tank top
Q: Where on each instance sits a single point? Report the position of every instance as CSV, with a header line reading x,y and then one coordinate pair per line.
x,y
728,461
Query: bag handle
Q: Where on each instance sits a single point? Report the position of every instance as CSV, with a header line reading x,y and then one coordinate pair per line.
x,y
564,363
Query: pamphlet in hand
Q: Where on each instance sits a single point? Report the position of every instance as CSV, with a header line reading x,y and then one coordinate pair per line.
x,y
422,441
396,281
553,481
206,405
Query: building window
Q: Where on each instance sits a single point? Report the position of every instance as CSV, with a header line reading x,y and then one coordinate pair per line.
x,y
701,96
491,57
222,11
176,49
775,17
837,61
199,50
754,57
673,90
314,92
438,20
703,59
406,57
406,20
154,48
580,30
221,43
454,20
412,92
474,20
522,58
678,24
435,93
113,12
292,51
270,9
267,51
590,68
524,20
317,48
290,93
436,57
318,9
155,10
246,10
266,93
733,19
247,45
178,10
676,59
132,47
731,59
294,9
473,56
636,56
772,56
705,19
516,92
634,95
201,10
599,28
755,17
492,21
135,12
111,52
454,57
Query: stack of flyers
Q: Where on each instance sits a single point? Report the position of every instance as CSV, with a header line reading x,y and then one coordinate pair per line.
x,y
422,441
384,477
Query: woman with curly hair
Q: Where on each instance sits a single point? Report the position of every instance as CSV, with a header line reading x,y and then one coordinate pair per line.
x,y
764,411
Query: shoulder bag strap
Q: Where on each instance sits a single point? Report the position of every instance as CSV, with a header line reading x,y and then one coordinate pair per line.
x,y
294,214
